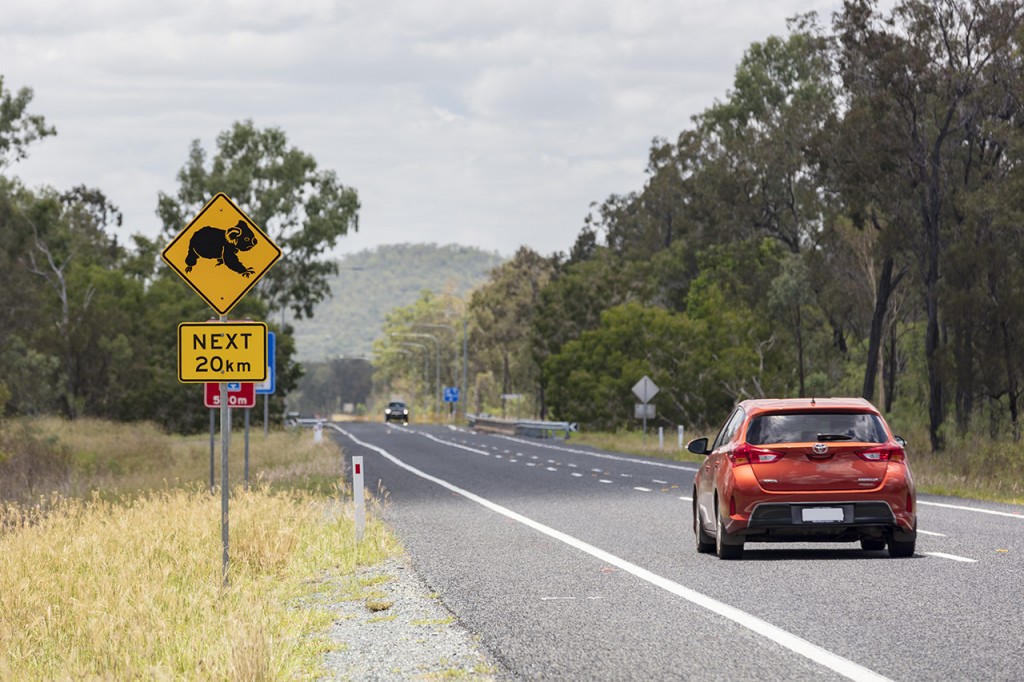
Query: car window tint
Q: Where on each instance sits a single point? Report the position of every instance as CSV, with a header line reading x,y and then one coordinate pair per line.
x,y
730,428
810,427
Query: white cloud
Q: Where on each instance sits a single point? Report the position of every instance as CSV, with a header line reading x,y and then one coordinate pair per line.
x,y
488,123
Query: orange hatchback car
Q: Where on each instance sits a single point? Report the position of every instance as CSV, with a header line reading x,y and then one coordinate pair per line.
x,y
804,470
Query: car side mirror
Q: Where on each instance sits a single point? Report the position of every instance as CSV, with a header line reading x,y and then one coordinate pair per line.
x,y
698,446
900,440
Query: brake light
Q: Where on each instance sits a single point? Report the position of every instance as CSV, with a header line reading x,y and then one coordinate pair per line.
x,y
747,454
883,453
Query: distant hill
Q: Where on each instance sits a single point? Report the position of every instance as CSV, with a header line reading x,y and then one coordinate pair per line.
x,y
372,282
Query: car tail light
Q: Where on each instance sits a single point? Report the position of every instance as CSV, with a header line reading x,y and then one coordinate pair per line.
x,y
747,454
883,453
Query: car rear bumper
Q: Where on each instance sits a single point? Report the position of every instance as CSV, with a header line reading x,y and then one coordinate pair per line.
x,y
787,522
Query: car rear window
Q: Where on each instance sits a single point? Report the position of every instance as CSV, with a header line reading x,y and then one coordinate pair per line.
x,y
812,427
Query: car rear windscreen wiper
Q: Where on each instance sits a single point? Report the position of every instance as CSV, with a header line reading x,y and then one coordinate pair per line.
x,y
823,437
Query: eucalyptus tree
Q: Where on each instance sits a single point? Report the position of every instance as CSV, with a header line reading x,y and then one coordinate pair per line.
x,y
931,76
502,313
18,127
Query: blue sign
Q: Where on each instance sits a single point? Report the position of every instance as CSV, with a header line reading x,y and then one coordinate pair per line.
x,y
267,387
451,394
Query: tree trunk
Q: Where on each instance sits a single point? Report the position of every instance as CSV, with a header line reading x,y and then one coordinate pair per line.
x,y
885,287
800,352
892,365
1012,389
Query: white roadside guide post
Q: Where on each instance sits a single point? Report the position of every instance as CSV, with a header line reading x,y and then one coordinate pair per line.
x,y
222,254
357,497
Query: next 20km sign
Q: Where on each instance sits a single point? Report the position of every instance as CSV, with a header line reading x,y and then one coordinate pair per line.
x,y
222,351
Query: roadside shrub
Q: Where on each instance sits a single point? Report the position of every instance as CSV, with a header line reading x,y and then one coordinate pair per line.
x,y
31,465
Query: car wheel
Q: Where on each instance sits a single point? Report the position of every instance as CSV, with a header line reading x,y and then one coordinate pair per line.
x,y
723,550
900,549
705,543
870,545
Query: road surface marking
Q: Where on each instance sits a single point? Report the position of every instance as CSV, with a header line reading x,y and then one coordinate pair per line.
x,y
971,509
787,640
952,557
928,532
601,455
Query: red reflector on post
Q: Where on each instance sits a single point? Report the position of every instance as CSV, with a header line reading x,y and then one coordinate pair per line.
x,y
359,468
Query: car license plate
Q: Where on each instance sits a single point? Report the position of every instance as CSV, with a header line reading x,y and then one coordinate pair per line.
x,y
822,514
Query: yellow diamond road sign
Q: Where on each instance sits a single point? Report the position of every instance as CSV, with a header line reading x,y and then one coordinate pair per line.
x,y
221,254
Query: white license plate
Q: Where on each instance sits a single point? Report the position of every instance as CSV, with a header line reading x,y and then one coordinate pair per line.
x,y
822,514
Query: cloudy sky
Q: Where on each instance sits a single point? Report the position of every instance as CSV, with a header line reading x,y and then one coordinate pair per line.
x,y
489,124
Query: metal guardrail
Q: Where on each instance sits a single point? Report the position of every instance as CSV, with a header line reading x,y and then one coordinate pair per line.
x,y
520,427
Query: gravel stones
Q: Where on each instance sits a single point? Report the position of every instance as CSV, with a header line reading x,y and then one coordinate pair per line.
x,y
396,628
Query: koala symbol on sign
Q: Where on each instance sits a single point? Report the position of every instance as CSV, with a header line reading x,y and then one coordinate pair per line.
x,y
222,245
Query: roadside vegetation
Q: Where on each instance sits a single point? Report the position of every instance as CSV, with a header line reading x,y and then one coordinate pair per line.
x,y
119,575
980,468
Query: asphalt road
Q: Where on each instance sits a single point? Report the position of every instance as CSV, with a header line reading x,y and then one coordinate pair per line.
x,y
575,564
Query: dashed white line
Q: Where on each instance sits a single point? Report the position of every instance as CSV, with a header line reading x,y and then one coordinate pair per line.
x,y
641,489
952,557
654,480
928,532
971,509
603,480
577,474
551,468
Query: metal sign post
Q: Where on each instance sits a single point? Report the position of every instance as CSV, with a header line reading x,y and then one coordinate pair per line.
x,y
225,440
222,254
645,390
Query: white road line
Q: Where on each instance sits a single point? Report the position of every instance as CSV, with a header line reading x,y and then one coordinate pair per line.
x,y
952,557
641,489
654,480
603,480
971,509
928,532
783,638
601,455
577,474
688,499
551,468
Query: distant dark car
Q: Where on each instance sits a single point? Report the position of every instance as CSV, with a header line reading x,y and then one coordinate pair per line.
x,y
826,469
396,412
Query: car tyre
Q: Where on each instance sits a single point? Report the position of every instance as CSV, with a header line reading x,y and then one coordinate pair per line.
x,y
705,543
901,550
725,551
871,545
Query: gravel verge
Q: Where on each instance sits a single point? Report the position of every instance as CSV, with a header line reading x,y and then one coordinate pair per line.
x,y
393,627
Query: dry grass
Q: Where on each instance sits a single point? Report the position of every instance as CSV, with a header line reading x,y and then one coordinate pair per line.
x,y
123,458
133,590
125,582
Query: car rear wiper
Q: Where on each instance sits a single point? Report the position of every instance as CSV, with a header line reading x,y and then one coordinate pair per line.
x,y
823,437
